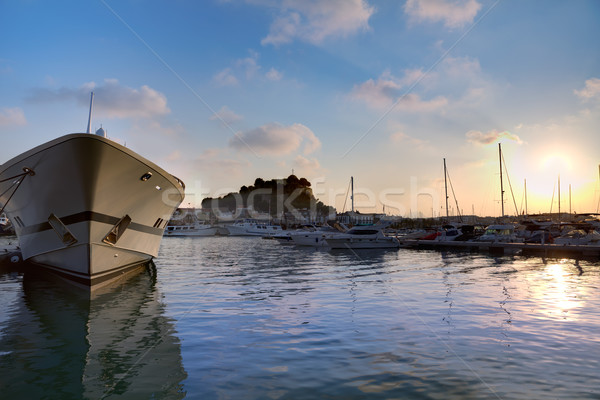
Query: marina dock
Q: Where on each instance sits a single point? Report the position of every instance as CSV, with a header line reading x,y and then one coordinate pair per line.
x,y
500,248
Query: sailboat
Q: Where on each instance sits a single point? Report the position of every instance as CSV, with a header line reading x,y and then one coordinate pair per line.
x,y
86,207
501,232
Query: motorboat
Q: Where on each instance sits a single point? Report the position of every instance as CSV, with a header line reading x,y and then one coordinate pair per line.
x,y
316,237
540,236
445,234
449,233
504,233
196,229
579,237
282,238
363,237
87,207
251,227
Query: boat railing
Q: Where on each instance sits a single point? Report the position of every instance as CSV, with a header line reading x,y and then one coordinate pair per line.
x,y
179,181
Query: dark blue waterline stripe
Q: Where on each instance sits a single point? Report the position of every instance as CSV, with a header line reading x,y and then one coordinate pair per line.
x,y
89,216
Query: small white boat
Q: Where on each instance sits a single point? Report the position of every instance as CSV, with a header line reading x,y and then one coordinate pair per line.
x,y
363,237
447,233
197,229
504,233
250,227
579,237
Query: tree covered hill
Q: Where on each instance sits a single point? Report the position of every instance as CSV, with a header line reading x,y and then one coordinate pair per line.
x,y
275,197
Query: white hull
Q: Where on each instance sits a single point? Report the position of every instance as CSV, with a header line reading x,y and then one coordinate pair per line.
x,y
194,230
500,234
253,229
363,243
85,186
312,239
363,237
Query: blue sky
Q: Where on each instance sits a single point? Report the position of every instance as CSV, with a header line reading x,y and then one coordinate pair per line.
x,y
222,92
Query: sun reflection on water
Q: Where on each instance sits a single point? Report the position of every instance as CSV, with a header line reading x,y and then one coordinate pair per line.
x,y
557,290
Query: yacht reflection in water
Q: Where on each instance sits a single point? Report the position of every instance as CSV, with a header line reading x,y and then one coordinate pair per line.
x,y
63,343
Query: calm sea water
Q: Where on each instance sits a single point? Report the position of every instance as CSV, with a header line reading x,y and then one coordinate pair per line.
x,y
247,318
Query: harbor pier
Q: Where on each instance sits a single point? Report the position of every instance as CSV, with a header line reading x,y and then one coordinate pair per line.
x,y
501,248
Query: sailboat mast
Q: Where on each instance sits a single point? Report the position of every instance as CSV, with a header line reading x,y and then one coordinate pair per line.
x,y
569,198
446,187
352,191
559,198
89,126
526,213
501,184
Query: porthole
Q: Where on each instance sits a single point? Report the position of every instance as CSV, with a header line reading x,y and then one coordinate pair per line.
x,y
146,176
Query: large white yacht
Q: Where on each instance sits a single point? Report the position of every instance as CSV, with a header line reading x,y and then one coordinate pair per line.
x,y
199,228
87,207
252,227
363,237
316,237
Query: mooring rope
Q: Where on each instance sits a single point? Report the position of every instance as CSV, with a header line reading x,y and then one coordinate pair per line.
x,y
22,176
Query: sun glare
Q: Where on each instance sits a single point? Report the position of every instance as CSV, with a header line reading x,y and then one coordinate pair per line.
x,y
557,162
540,170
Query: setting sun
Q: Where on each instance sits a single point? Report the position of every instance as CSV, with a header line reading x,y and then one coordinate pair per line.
x,y
557,161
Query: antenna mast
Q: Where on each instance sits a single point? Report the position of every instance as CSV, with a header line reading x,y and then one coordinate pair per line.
x,y
89,127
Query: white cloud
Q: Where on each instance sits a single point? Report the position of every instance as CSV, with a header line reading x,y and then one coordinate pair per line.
x,y
463,79
453,13
493,136
457,82
387,90
413,103
123,102
274,75
380,93
275,139
245,69
226,115
461,67
400,137
591,91
249,65
12,117
306,166
210,160
111,99
225,78
314,20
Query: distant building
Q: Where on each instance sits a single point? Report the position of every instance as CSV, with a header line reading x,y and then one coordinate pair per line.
x,y
358,218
